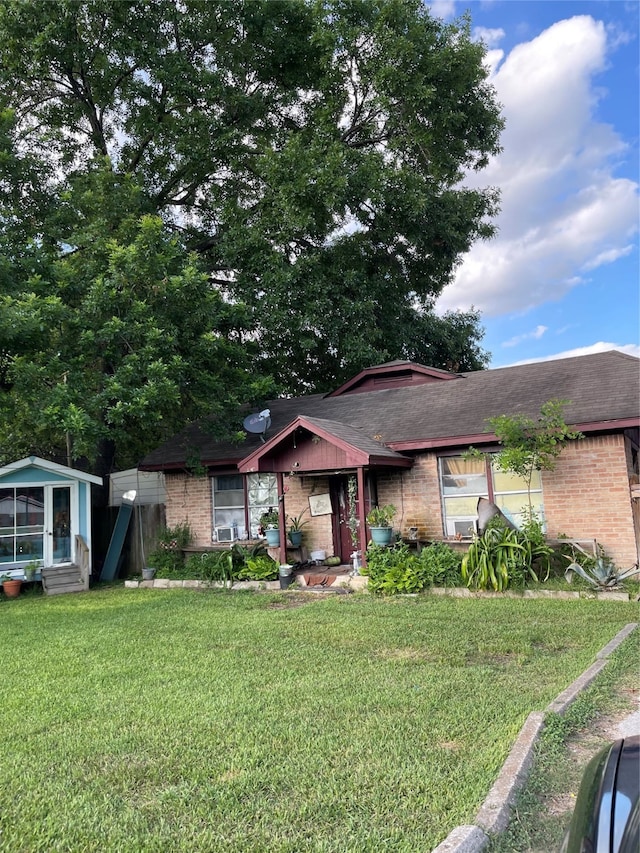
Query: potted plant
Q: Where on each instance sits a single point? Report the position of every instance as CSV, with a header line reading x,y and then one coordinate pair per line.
x,y
30,570
11,585
295,528
379,520
269,522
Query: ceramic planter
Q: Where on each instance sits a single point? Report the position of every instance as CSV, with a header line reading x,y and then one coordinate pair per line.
x,y
295,537
273,537
381,535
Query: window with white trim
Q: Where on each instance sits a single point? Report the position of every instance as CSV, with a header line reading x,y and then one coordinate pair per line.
x,y
262,495
464,480
239,502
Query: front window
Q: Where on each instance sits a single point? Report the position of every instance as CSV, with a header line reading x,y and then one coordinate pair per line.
x,y
511,496
262,493
239,503
463,481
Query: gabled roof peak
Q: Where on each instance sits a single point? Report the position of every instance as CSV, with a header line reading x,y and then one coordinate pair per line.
x,y
392,374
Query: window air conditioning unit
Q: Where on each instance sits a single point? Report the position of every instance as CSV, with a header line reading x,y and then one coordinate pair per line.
x,y
227,534
464,527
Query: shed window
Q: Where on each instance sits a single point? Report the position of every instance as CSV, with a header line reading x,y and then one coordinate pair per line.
x,y
21,524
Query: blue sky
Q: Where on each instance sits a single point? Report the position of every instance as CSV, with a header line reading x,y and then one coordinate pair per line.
x,y
562,276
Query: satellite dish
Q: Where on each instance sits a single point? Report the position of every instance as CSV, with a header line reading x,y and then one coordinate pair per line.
x,y
258,422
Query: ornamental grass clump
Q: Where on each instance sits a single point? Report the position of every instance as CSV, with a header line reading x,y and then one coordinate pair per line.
x,y
502,557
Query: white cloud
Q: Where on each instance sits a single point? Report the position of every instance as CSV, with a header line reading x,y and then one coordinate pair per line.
x,y
601,346
490,37
535,335
442,8
563,211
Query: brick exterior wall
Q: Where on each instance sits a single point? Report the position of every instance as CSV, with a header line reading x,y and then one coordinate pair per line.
x,y
189,500
586,497
416,496
317,535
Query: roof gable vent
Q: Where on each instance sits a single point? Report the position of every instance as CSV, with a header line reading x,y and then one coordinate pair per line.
x,y
394,374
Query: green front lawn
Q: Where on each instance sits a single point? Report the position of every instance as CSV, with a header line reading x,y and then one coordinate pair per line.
x,y
151,720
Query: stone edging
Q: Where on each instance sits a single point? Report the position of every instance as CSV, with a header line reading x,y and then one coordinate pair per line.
x,y
359,584
493,816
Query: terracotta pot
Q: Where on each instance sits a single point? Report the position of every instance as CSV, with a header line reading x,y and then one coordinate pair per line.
x,y
12,588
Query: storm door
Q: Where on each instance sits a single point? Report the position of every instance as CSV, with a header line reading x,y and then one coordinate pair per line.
x,y
59,526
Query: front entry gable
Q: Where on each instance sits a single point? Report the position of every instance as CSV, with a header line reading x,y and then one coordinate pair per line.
x,y
316,444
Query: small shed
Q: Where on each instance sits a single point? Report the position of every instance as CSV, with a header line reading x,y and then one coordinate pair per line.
x,y
45,517
148,486
148,516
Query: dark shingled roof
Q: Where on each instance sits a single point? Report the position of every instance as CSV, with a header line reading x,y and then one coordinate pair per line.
x,y
600,388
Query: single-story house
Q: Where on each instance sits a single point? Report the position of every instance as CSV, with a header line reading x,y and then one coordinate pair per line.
x,y
397,434
45,518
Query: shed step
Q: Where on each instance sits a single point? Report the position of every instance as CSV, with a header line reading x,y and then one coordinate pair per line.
x,y
65,587
59,579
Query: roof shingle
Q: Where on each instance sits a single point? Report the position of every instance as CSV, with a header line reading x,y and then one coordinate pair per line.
x,y
599,388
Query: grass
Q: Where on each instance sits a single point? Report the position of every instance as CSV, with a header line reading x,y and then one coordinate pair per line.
x,y
556,773
154,721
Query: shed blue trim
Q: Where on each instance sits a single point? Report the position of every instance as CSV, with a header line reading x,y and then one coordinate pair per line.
x,y
34,475
82,512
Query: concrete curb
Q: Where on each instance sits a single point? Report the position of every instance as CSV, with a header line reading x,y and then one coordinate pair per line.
x,y
493,816
617,640
495,811
564,699
463,839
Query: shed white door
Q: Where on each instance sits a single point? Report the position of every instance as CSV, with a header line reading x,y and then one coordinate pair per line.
x,y
60,533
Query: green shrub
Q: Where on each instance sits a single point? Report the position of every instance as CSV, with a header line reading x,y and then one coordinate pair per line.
x,y
211,566
441,564
168,559
167,564
260,568
394,570
228,564
175,538
400,570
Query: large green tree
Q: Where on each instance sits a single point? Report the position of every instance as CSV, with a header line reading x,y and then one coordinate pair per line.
x,y
113,342
310,154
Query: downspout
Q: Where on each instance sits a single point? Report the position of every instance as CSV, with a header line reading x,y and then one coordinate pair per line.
x,y
282,519
362,517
